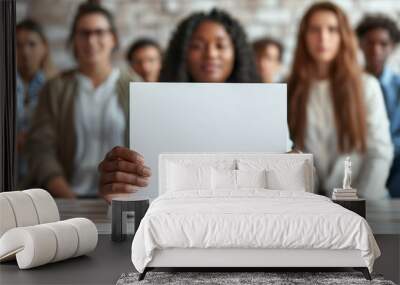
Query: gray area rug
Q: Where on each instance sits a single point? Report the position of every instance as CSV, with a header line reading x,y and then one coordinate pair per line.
x,y
273,278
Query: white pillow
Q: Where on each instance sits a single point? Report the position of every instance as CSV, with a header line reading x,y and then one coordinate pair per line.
x,y
251,178
236,179
293,179
282,174
186,177
223,179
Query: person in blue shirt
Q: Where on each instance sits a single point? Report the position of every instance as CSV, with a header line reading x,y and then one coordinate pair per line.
x,y
379,35
34,67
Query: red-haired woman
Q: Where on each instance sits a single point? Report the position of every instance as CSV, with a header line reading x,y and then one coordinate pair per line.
x,y
335,110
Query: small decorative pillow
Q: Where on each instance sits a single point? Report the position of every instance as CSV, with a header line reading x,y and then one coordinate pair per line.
x,y
282,174
223,179
237,179
251,178
188,177
292,180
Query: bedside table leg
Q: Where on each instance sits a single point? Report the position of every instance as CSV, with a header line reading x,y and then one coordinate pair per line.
x,y
117,228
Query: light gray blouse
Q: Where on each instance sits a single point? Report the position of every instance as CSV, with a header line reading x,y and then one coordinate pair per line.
x,y
369,170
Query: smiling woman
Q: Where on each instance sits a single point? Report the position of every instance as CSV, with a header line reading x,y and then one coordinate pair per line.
x,y
211,54
206,47
82,112
209,47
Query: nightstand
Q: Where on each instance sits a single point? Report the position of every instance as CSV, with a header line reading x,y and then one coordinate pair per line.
x,y
357,205
123,209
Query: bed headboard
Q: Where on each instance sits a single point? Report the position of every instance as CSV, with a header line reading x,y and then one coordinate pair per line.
x,y
280,163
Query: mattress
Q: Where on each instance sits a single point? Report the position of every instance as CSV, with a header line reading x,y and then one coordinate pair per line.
x,y
251,219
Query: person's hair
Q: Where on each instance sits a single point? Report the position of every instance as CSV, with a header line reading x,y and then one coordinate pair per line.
x,y
141,43
89,8
174,67
33,26
345,85
376,21
261,44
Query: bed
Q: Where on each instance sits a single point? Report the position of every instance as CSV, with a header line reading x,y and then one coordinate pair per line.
x,y
246,210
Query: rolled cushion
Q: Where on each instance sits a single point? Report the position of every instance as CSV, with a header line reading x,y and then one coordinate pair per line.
x,y
67,240
33,246
26,208
46,207
7,218
40,244
87,234
23,208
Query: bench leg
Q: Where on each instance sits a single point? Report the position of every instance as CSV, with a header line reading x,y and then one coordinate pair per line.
x,y
364,271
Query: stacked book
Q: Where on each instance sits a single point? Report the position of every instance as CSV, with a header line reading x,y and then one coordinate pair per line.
x,y
344,194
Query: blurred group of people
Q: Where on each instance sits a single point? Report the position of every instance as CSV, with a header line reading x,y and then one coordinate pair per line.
x,y
69,122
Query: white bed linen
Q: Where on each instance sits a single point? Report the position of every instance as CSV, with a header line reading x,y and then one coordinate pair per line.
x,y
251,218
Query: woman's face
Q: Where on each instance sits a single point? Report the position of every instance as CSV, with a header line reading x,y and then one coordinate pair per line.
x,y
322,37
211,54
93,40
31,51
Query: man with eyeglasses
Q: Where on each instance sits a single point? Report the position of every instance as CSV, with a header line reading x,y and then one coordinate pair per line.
x,y
82,113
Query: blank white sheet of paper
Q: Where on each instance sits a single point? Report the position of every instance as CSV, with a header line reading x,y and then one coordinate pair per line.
x,y
206,117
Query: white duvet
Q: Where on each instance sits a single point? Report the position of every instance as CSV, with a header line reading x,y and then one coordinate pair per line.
x,y
250,218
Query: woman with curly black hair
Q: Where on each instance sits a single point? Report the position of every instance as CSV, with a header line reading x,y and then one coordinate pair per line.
x,y
206,47
209,47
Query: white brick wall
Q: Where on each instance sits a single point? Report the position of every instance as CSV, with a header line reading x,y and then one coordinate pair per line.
x,y
157,18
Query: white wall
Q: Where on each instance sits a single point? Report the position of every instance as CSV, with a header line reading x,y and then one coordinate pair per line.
x,y
157,18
